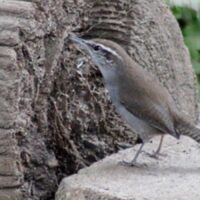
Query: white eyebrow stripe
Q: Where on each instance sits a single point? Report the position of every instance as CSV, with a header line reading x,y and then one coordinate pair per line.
x,y
110,50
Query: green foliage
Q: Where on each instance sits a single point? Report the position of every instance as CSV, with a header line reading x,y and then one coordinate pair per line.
x,y
189,21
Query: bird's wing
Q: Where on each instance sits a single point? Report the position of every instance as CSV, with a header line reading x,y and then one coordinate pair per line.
x,y
148,101
154,115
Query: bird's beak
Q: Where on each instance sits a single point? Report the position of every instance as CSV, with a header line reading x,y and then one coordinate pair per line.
x,y
76,39
83,44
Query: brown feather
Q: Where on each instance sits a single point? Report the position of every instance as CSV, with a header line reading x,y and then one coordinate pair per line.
x,y
142,94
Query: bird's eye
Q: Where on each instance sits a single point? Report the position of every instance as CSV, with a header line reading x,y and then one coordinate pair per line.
x,y
97,47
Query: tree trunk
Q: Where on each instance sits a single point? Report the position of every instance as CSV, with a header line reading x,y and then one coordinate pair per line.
x,y
55,115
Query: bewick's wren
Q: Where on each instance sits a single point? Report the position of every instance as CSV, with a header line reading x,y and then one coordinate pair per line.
x,y
140,99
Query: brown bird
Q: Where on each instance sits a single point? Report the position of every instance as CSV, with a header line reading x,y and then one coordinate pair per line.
x,y
140,100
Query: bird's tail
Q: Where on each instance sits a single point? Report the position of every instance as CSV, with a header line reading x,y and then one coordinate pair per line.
x,y
183,127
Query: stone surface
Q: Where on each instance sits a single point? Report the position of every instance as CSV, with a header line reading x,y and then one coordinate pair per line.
x,y
55,115
175,175
137,25
16,19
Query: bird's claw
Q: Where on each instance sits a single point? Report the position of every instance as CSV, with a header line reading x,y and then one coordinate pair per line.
x,y
155,155
132,164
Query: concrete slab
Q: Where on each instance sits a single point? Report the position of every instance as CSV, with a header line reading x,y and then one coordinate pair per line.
x,y
175,176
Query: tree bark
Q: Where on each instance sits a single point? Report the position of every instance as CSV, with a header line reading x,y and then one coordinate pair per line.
x,y
55,115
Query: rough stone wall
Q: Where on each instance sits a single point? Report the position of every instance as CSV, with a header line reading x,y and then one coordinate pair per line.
x,y
11,124
150,34
55,115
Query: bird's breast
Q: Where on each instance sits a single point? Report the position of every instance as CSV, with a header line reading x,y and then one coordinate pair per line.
x,y
142,128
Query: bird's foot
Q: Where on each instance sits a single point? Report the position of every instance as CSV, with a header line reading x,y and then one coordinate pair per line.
x,y
156,155
132,164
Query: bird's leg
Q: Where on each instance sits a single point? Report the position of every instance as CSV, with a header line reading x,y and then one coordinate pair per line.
x,y
157,153
134,161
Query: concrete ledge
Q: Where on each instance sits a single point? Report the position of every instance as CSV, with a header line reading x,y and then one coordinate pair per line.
x,y
174,176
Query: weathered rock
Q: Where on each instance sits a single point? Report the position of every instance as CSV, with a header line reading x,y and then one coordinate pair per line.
x,y
55,115
174,176
150,34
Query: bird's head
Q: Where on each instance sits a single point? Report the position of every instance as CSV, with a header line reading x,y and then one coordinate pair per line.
x,y
107,55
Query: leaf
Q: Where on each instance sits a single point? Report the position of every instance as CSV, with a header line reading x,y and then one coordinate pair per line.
x,y
196,66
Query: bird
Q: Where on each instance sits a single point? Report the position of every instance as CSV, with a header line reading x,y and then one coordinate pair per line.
x,y
138,97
